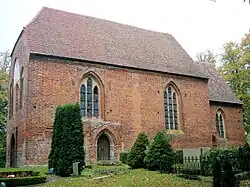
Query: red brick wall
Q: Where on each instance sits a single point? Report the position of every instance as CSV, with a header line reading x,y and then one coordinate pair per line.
x,y
233,117
21,52
132,98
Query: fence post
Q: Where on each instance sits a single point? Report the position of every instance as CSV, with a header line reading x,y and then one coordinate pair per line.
x,y
201,163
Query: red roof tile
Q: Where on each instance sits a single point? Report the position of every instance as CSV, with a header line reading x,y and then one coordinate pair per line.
x,y
60,33
64,34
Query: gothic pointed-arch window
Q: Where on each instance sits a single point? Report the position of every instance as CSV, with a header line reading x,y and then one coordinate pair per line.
x,y
171,109
17,102
89,97
16,86
220,125
11,101
83,100
95,101
16,71
21,89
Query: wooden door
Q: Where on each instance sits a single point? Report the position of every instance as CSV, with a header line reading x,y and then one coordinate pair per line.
x,y
103,148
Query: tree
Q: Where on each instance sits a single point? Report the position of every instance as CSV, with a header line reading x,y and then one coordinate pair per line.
x,y
160,155
4,68
138,152
3,106
67,140
5,61
55,139
235,69
207,56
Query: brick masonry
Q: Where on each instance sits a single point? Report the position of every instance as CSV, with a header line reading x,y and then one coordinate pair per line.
x,y
235,133
132,102
93,128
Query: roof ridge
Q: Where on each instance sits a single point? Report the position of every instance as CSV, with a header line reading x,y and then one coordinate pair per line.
x,y
103,19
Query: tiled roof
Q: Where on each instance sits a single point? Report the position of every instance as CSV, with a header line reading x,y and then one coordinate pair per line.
x,y
217,86
59,33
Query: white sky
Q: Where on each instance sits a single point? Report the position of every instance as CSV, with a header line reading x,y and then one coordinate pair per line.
x,y
196,24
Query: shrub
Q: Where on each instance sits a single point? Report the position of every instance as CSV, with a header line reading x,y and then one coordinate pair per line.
x,y
34,178
189,177
238,158
108,163
228,178
138,152
2,157
124,157
160,155
179,157
208,159
244,154
67,140
216,172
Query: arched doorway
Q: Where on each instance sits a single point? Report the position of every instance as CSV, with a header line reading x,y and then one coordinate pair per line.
x,y
12,152
103,148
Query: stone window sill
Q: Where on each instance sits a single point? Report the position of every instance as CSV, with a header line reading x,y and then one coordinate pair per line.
x,y
175,132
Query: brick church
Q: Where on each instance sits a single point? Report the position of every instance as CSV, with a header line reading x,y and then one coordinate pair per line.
x,y
126,79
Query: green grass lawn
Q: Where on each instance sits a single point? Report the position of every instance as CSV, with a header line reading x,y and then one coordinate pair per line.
x,y
120,176
124,177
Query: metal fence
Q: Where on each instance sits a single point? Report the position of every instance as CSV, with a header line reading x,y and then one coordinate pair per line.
x,y
189,165
196,165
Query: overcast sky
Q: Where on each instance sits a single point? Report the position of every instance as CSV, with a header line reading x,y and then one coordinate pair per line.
x,y
197,25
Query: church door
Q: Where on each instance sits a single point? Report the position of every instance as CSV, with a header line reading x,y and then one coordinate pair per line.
x,y
103,148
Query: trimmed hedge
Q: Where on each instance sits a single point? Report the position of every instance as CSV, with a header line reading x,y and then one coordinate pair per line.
x,y
124,157
36,178
108,163
67,140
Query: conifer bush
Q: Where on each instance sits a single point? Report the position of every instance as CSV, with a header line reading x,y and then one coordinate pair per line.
x,y
124,157
216,172
137,154
2,157
67,140
228,178
160,155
